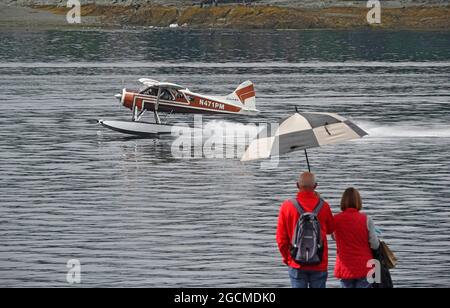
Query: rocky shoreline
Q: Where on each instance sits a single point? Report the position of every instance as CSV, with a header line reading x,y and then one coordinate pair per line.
x,y
257,16
265,17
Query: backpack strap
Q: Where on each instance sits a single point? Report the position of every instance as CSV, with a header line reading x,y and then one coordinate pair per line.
x,y
301,211
319,207
298,206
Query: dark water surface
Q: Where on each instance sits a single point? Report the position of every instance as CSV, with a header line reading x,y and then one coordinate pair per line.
x,y
136,216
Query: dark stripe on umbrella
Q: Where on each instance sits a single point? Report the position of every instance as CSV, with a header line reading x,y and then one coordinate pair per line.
x,y
317,120
294,141
356,128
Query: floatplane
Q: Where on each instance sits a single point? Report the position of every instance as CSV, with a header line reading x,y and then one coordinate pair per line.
x,y
164,97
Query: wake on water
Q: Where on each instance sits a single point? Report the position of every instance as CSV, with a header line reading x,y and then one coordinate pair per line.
x,y
405,130
225,139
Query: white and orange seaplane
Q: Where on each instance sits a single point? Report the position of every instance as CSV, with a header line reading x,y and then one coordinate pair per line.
x,y
164,97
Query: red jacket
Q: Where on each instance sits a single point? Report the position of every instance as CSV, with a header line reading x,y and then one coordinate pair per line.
x,y
287,222
353,248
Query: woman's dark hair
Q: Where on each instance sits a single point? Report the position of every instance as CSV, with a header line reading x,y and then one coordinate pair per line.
x,y
351,199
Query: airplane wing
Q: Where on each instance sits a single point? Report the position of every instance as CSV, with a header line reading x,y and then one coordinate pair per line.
x,y
155,83
169,85
149,82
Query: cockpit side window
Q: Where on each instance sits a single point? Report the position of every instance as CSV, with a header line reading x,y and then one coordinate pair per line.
x,y
152,91
166,95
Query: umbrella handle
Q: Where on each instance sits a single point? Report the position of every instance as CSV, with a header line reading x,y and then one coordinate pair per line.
x,y
307,160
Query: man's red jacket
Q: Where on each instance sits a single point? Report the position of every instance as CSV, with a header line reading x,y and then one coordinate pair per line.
x,y
287,222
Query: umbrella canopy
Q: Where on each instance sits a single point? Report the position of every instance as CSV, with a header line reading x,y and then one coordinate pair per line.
x,y
302,131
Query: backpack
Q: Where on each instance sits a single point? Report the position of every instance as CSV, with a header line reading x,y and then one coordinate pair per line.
x,y
307,244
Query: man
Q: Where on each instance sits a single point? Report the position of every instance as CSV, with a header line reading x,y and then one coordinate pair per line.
x,y
311,276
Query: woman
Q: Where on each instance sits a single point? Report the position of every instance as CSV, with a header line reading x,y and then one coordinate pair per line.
x,y
355,237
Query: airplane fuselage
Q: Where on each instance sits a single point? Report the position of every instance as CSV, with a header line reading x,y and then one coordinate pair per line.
x,y
179,102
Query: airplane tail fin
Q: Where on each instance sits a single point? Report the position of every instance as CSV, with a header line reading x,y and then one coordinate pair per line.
x,y
246,94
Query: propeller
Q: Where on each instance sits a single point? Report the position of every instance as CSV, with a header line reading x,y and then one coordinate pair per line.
x,y
119,96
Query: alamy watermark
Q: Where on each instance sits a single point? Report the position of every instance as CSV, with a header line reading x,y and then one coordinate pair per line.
x,y
74,272
374,274
74,14
374,14
226,140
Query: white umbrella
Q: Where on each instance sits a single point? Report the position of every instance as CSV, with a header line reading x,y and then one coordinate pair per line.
x,y
303,131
